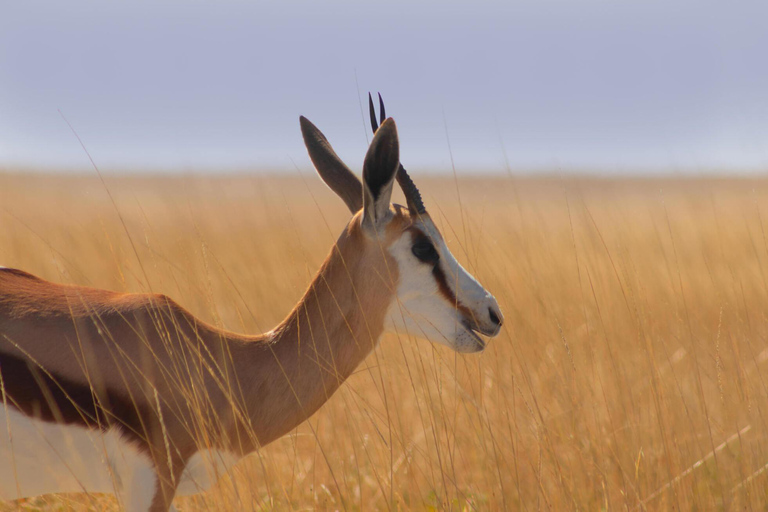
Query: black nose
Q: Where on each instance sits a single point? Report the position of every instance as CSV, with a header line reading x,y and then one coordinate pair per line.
x,y
494,316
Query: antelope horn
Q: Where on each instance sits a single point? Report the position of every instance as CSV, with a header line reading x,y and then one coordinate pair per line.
x,y
412,195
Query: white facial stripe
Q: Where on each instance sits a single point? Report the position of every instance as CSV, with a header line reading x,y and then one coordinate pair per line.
x,y
468,291
422,310
465,287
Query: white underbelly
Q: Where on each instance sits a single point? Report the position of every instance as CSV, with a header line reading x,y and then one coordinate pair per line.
x,y
37,457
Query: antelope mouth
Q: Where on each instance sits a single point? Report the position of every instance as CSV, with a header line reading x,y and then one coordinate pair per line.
x,y
475,332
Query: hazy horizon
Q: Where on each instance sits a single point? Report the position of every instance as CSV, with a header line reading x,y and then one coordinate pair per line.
x,y
547,87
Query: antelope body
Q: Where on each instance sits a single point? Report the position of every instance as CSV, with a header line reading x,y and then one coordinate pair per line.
x,y
131,394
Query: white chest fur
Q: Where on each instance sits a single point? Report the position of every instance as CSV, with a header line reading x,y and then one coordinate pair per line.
x,y
203,470
41,458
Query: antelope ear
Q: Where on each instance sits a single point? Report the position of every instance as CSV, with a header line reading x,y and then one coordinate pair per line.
x,y
329,166
379,170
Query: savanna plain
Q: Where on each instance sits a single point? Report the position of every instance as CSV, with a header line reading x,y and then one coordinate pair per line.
x,y
631,372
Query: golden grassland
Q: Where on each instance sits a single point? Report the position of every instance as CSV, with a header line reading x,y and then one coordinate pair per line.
x,y
629,374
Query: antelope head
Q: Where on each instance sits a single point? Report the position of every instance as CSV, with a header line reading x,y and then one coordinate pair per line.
x,y
434,297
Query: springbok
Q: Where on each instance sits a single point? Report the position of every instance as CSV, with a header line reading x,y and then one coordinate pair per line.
x,y
130,394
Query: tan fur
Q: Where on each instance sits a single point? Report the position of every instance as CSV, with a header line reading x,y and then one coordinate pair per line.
x,y
207,387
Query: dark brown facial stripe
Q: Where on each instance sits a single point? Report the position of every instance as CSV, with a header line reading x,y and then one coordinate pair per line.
x,y
50,398
442,282
447,292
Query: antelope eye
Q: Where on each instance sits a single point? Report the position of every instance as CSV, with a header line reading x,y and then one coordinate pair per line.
x,y
425,251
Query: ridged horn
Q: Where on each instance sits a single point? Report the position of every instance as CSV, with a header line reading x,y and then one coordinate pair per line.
x,y
411,192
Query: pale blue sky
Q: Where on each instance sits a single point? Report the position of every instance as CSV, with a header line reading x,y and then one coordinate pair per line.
x,y
590,85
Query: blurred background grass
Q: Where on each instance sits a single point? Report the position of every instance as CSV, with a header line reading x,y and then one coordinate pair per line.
x,y
629,373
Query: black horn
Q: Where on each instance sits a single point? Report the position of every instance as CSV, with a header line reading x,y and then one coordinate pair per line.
x,y
372,111
412,195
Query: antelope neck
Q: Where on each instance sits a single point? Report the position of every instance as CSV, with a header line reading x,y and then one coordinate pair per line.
x,y
290,372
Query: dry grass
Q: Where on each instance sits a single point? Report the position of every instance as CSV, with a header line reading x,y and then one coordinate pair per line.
x,y
629,374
